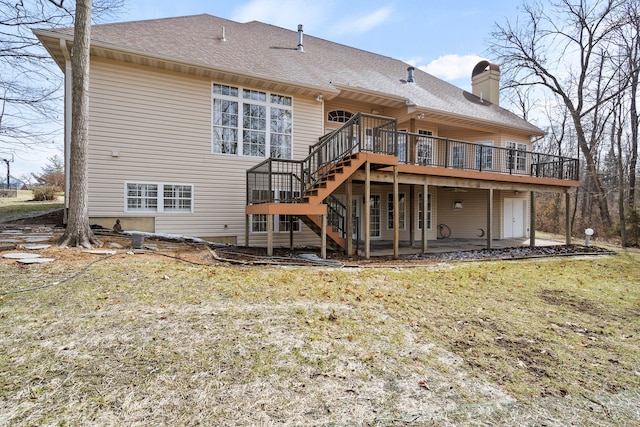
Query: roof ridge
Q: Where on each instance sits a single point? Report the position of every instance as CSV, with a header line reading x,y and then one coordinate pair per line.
x,y
166,18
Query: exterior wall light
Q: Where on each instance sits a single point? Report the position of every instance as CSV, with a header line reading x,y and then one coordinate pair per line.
x,y
457,205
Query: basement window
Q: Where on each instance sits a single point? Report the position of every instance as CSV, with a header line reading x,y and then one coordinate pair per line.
x,y
281,223
158,197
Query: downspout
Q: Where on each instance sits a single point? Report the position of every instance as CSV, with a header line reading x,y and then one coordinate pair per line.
x,y
67,125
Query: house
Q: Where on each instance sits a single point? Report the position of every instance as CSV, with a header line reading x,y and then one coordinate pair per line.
x,y
247,133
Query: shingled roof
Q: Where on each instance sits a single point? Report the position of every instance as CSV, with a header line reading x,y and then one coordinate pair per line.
x,y
268,52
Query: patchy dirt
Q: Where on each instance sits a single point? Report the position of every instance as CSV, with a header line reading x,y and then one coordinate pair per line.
x,y
137,340
256,255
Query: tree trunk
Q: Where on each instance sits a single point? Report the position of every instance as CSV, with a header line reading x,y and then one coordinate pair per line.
x,y
592,172
617,130
78,232
633,160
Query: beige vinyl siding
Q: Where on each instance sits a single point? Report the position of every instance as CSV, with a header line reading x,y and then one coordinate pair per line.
x,y
467,222
159,124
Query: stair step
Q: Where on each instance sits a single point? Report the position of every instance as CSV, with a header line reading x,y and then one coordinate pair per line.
x,y
330,230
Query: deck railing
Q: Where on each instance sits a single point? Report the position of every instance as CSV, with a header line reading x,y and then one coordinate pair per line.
x,y
275,180
427,150
362,132
337,216
268,181
285,181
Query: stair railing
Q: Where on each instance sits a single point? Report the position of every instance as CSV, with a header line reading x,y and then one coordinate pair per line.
x,y
362,132
336,215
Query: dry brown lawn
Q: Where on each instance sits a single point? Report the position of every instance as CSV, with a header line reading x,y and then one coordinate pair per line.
x,y
174,337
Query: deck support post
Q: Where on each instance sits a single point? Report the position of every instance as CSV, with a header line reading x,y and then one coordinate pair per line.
x,y
412,219
490,218
291,221
425,204
396,214
567,209
532,219
367,210
270,235
349,219
246,230
323,244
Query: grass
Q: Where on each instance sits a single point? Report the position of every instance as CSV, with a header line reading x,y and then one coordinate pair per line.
x,y
23,205
144,339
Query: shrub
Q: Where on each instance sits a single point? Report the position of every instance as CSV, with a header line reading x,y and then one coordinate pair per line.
x,y
44,193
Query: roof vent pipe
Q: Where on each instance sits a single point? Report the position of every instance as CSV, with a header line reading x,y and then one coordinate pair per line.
x,y
300,46
410,74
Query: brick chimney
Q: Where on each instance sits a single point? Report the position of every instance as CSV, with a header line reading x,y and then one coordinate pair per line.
x,y
485,82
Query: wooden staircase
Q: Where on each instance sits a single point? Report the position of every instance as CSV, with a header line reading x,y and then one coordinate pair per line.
x,y
334,178
310,183
322,189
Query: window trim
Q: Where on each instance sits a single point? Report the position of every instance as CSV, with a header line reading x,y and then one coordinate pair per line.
x,y
341,116
276,218
424,137
520,149
269,103
160,209
483,158
276,224
372,216
429,211
402,220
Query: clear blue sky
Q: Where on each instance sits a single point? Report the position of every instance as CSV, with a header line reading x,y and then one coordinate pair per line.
x,y
444,38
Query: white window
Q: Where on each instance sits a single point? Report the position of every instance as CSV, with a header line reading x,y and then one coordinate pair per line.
x,y
517,156
339,116
158,197
374,215
281,223
425,147
484,155
402,145
421,211
251,123
178,198
457,156
259,223
401,211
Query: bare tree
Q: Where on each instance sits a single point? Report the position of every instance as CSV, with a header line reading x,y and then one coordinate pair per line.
x,y
618,154
78,232
630,46
563,47
29,82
